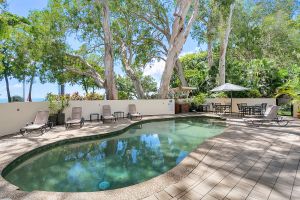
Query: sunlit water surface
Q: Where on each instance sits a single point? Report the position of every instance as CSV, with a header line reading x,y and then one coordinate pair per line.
x,y
137,155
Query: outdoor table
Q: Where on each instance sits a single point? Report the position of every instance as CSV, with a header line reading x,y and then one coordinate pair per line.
x,y
95,114
223,108
251,110
204,107
119,114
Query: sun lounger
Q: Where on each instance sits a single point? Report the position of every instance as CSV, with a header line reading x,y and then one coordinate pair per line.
x,y
269,116
40,123
106,114
76,118
133,113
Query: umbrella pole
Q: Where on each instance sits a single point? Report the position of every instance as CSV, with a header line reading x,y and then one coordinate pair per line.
x,y
231,103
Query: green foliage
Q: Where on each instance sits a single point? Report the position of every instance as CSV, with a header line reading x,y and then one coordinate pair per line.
x,y
57,103
17,99
76,97
93,96
199,99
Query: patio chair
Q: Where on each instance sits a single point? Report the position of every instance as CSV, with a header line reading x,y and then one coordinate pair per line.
x,y
269,116
217,107
240,108
132,113
76,118
40,123
264,107
106,114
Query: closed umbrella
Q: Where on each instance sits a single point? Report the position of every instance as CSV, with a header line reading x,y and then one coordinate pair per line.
x,y
228,87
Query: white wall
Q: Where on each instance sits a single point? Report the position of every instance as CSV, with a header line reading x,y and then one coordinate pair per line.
x,y
145,107
296,107
14,116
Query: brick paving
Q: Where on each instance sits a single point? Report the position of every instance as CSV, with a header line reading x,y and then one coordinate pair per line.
x,y
242,163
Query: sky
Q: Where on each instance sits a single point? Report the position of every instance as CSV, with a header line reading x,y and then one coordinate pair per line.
x,y
23,8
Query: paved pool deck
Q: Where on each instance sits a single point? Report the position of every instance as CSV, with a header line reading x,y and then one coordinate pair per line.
x,y
243,162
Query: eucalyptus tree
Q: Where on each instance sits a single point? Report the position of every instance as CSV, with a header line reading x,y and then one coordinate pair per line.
x,y
175,30
205,27
90,22
225,29
134,44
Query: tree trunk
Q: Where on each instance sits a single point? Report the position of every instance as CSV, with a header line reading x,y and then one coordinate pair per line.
x,y
210,60
29,98
110,84
209,42
7,86
126,61
223,49
136,84
180,32
84,85
180,73
62,89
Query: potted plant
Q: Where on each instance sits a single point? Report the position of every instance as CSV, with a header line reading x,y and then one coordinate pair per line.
x,y
57,104
198,101
291,89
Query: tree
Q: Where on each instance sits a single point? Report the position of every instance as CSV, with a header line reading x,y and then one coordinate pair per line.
x,y
180,32
225,33
69,17
157,15
205,27
10,27
135,45
110,85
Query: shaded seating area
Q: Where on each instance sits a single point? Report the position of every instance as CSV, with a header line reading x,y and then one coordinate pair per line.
x,y
40,123
107,114
132,113
76,118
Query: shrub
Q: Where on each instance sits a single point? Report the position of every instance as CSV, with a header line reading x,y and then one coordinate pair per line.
x,y
76,97
17,99
93,96
199,99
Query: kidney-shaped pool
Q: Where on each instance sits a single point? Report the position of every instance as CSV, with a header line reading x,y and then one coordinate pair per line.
x,y
142,152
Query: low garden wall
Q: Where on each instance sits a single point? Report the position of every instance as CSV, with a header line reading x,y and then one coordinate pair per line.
x,y
14,116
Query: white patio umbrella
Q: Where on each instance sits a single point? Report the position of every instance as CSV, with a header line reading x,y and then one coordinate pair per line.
x,y
228,87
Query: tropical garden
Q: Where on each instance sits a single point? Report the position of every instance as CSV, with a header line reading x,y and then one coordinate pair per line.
x,y
251,43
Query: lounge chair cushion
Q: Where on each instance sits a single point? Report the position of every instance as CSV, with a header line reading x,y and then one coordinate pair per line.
x,y
73,121
109,117
135,114
34,126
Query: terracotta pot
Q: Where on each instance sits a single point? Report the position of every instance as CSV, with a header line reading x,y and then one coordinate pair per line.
x,y
185,108
298,115
177,108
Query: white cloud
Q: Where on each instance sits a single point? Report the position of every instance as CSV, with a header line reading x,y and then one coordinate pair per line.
x,y
155,69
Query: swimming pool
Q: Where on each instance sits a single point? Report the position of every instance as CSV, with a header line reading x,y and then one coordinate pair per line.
x,y
138,154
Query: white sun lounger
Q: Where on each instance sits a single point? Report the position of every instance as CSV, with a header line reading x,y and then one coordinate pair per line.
x,y
132,113
76,117
269,116
40,122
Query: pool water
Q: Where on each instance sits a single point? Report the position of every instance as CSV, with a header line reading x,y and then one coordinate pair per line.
x,y
139,154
